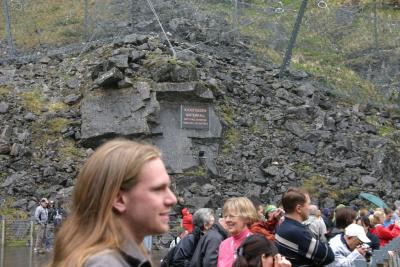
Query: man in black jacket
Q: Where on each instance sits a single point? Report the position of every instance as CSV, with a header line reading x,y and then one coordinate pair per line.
x,y
206,253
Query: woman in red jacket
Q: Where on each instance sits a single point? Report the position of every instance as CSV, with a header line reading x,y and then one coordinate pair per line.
x,y
384,234
187,220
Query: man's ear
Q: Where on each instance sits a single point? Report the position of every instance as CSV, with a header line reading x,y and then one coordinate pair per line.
x,y
298,208
119,203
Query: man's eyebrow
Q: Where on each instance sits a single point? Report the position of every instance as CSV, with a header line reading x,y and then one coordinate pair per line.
x,y
160,186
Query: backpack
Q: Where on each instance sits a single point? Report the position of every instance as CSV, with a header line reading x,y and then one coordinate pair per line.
x,y
167,260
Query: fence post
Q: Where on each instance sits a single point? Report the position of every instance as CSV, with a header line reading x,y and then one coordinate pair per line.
x,y
31,240
376,27
86,21
236,21
2,241
8,26
296,29
31,235
133,12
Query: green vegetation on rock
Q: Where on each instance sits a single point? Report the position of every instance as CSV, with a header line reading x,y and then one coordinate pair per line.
x,y
46,22
384,129
226,113
57,124
69,149
4,90
325,48
315,184
197,171
57,106
231,138
11,213
34,100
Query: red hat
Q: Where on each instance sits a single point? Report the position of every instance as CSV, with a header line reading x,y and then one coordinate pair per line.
x,y
187,220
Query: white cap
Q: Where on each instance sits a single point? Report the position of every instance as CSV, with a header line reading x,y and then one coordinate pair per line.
x,y
357,231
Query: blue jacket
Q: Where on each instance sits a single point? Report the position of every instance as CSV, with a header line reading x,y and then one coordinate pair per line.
x,y
296,243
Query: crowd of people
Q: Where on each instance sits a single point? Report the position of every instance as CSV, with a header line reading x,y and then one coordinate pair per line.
x,y
296,234
122,196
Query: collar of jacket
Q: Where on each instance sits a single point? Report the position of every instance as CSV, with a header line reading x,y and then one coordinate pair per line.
x,y
217,226
130,252
344,241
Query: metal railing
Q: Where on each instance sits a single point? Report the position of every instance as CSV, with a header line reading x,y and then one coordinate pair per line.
x,y
21,233
387,256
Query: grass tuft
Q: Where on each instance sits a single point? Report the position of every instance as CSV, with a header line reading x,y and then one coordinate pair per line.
x,y
34,101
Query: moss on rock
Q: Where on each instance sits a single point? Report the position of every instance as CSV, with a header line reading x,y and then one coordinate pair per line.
x,y
68,149
197,171
56,125
231,138
34,100
8,212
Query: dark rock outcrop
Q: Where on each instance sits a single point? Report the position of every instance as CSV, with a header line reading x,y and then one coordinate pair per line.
x,y
263,134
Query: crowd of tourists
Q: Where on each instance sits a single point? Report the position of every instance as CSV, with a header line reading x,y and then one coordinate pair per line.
x,y
297,233
122,195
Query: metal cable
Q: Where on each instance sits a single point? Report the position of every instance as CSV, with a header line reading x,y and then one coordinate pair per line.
x,y
162,28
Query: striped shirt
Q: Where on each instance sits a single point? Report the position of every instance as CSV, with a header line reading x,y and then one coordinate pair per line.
x,y
296,243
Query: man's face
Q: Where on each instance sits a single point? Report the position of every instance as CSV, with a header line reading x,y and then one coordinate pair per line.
x,y
148,203
44,204
305,209
389,216
353,242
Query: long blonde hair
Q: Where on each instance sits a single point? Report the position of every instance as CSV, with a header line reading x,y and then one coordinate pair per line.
x,y
377,217
93,224
244,207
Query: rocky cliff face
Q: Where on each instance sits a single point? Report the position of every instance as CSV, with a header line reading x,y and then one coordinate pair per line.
x,y
263,134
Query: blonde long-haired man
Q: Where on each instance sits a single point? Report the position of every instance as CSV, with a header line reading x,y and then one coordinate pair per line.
x,y
121,195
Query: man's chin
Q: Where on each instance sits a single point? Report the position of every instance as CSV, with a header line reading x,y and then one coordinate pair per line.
x,y
163,229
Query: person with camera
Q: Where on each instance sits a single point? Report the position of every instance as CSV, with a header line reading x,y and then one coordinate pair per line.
x,y
349,246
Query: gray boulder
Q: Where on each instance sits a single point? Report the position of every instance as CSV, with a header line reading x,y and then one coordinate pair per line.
x,y
4,107
114,113
13,179
110,78
137,39
369,180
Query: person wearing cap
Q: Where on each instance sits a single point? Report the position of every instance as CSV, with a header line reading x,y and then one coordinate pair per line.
x,y
269,211
41,218
347,247
267,227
